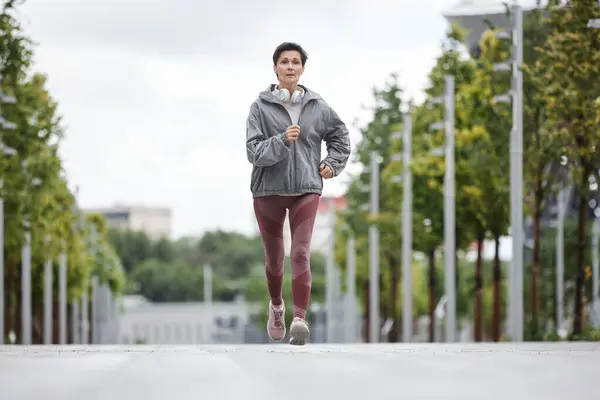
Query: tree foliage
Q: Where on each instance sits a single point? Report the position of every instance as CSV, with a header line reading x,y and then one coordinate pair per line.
x,y
35,191
560,119
167,270
568,71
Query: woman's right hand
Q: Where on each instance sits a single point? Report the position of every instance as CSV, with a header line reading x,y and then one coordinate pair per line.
x,y
292,132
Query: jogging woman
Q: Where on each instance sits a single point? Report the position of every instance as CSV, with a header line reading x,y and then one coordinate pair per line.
x,y
285,128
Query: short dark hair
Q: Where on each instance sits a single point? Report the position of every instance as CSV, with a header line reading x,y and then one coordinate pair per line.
x,y
290,46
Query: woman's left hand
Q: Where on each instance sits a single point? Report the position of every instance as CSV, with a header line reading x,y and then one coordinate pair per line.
x,y
325,171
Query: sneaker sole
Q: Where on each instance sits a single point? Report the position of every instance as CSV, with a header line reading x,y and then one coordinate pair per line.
x,y
299,335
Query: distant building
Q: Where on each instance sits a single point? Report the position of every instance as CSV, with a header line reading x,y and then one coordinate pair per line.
x,y
155,222
472,15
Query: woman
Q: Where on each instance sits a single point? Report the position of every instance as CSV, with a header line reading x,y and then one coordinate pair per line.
x,y
284,131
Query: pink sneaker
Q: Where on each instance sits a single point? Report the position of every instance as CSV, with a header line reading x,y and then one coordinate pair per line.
x,y
276,323
299,332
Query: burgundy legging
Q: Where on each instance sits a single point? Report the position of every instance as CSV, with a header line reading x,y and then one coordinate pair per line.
x,y
270,213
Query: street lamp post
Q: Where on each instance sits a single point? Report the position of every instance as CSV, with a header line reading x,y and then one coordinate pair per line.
x,y
330,278
374,253
208,301
373,208
351,288
26,268
515,298
449,204
62,294
563,201
48,267
406,180
407,229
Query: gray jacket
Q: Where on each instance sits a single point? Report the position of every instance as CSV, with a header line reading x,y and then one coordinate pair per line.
x,y
280,168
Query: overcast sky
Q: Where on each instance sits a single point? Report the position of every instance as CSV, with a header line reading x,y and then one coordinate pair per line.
x,y
155,93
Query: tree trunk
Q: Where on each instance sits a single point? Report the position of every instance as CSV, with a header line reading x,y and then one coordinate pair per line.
x,y
55,320
18,327
497,317
37,321
393,305
456,269
581,250
535,268
8,304
432,299
383,310
478,288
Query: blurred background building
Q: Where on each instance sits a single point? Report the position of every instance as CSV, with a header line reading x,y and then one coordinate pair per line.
x,y
154,221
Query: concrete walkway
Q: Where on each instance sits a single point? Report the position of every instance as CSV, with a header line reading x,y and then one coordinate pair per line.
x,y
544,371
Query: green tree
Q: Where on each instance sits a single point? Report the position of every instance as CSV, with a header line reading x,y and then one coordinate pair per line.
x,y
36,197
376,137
541,152
568,68
133,247
230,253
484,160
471,140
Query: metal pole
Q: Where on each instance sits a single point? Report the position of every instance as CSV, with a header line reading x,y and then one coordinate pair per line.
x,y
351,290
95,317
560,259
450,212
84,318
374,323
101,311
330,278
96,322
106,320
1,271
75,321
516,180
48,301
208,300
114,318
62,296
407,322
26,288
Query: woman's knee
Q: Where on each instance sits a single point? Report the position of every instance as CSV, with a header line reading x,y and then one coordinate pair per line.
x,y
300,256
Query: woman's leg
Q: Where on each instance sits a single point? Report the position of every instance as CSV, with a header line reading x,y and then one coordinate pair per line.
x,y
270,214
302,219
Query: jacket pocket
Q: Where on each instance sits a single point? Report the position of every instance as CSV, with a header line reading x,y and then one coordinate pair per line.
x,y
257,177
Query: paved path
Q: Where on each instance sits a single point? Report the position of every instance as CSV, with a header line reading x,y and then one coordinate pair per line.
x,y
544,371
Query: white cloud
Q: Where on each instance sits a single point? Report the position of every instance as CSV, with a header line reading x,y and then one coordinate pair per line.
x,y
155,94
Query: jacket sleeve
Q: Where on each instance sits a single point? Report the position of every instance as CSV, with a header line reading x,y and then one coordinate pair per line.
x,y
260,150
337,140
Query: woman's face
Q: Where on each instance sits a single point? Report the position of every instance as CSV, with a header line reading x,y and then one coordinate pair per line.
x,y
289,67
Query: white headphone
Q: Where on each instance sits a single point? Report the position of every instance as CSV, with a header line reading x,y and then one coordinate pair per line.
x,y
284,94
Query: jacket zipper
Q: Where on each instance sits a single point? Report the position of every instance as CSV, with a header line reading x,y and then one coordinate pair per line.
x,y
297,190
293,145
